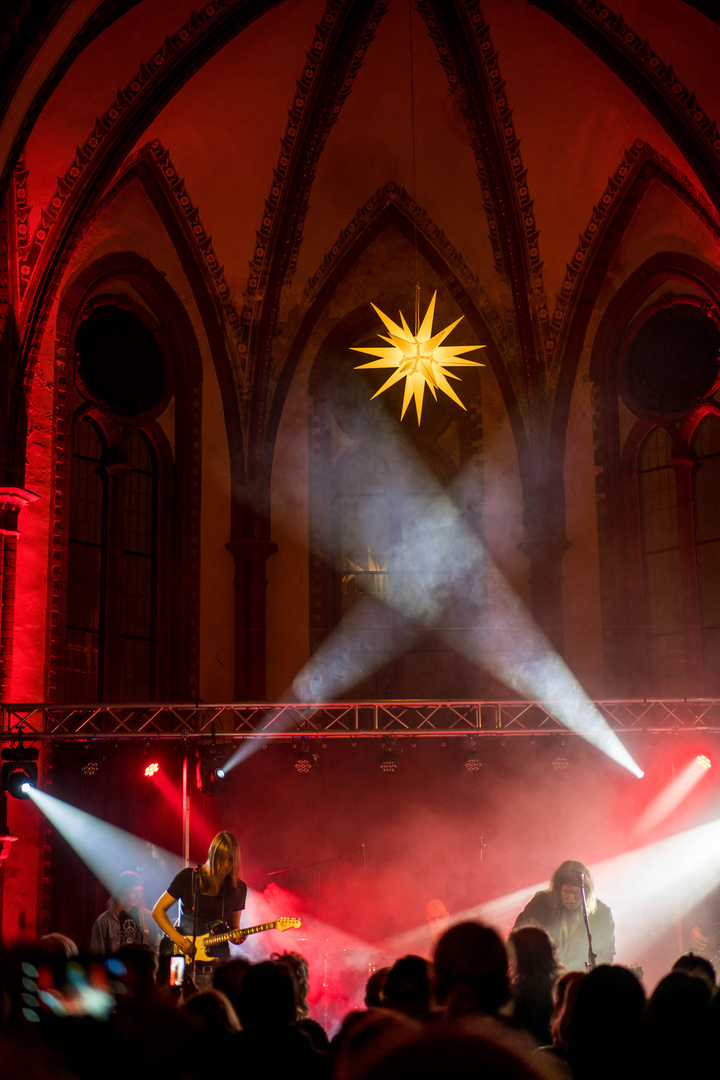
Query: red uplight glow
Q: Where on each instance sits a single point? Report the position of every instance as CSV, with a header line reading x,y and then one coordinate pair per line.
x,y
152,769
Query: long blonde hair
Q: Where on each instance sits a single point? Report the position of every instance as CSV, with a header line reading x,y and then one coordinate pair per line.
x,y
223,846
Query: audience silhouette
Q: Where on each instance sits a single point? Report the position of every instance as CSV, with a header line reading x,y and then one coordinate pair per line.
x,y
478,1009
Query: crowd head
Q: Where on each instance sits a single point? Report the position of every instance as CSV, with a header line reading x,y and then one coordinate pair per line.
x,y
480,1007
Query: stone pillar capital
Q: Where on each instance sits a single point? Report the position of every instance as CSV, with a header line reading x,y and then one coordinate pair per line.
x,y
12,501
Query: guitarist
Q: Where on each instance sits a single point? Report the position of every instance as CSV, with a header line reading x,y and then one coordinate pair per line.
x,y
221,897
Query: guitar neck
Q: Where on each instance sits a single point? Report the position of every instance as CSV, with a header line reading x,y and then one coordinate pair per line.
x,y
217,939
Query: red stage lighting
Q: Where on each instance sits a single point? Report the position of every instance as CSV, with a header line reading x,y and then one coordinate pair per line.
x,y
703,761
152,768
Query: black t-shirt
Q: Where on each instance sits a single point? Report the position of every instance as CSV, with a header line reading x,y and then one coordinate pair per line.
x,y
212,910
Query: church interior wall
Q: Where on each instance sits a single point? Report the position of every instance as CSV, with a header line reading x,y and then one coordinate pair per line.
x,y
260,206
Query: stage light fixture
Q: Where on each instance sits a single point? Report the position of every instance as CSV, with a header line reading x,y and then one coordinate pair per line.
x,y
703,761
472,761
211,775
19,771
89,759
561,761
152,768
304,759
388,759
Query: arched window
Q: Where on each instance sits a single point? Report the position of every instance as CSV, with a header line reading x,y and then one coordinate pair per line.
x,y
656,375
665,623
111,634
112,582
138,613
380,496
389,551
706,502
679,498
127,500
87,566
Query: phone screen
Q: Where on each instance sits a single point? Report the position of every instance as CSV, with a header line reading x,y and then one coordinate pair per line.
x,y
177,970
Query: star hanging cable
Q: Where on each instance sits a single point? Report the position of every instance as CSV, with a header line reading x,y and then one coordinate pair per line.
x,y
419,358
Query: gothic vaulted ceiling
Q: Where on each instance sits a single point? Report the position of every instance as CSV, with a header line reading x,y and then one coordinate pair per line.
x,y
515,136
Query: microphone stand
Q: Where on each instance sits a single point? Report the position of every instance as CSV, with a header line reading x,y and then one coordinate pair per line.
x,y
316,866
592,957
196,897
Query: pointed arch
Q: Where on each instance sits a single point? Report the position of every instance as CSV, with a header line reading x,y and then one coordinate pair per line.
x,y
333,62
391,207
653,82
153,169
176,482
104,151
626,496
587,272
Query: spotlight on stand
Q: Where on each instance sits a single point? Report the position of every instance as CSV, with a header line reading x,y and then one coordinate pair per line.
x,y
19,771
211,776
388,759
471,755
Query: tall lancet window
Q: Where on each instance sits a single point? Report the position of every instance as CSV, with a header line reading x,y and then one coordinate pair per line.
x,y
87,566
706,501
657,359
662,565
111,642
125,544
138,610
387,605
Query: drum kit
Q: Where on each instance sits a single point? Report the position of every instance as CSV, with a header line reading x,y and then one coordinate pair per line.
x,y
345,972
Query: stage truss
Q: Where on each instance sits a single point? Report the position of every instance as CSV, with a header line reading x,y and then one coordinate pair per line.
x,y
343,720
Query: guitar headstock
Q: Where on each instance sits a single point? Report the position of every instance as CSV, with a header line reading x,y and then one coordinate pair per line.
x,y
287,924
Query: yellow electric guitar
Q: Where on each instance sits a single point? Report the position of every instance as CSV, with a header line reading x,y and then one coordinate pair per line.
x,y
207,941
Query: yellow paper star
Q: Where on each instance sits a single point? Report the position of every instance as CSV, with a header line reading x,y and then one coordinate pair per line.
x,y
419,358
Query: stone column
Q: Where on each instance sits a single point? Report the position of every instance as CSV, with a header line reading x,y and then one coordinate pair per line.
x,y
12,500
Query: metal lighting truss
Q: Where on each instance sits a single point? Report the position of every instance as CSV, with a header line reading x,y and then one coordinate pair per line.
x,y
342,720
